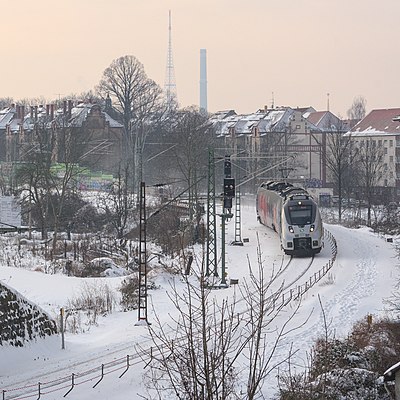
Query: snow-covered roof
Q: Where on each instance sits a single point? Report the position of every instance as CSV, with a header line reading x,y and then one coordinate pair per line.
x,y
264,120
79,113
324,120
383,121
6,116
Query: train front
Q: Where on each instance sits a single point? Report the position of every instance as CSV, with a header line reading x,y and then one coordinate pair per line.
x,y
302,231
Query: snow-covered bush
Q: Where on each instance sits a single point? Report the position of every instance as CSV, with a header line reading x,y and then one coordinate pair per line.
x,y
95,299
349,368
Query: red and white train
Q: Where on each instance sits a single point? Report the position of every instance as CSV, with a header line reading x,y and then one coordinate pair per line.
x,y
293,214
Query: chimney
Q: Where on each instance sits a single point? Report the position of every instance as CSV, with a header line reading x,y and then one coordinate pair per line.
x,y
69,108
22,111
36,112
203,80
51,112
47,109
31,112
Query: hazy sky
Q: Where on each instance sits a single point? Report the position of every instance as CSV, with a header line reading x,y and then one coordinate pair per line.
x,y
300,50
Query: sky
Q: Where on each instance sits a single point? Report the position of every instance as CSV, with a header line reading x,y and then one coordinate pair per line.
x,y
363,275
259,52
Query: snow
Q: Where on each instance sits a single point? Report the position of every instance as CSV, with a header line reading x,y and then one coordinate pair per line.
x,y
390,372
362,276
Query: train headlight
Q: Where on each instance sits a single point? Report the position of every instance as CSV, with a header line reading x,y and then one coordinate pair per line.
x,y
291,230
312,228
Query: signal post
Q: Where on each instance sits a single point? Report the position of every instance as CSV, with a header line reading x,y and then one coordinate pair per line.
x,y
228,195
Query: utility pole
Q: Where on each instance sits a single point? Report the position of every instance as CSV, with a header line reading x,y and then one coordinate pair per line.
x,y
142,253
228,195
142,309
211,254
238,236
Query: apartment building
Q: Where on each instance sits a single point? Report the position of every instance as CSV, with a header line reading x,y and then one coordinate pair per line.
x,y
380,129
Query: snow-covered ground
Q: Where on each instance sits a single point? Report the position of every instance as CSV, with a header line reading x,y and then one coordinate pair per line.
x,y
363,275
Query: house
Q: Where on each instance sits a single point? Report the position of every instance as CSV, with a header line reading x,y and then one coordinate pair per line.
x,y
101,134
381,129
7,117
292,139
105,136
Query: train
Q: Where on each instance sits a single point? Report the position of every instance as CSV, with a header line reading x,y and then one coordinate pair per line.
x,y
293,214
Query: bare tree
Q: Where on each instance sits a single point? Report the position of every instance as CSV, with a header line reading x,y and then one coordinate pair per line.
x,y
339,160
137,99
119,201
5,102
200,354
370,170
358,108
193,138
35,174
46,183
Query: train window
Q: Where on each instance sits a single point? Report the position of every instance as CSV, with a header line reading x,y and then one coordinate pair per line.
x,y
300,214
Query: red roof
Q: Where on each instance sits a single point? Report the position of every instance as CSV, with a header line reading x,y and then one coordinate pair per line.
x,y
315,117
380,120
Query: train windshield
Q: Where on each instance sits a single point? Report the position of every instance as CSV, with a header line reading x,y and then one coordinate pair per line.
x,y
300,214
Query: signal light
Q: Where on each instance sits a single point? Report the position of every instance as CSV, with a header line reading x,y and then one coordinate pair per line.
x,y
229,187
227,167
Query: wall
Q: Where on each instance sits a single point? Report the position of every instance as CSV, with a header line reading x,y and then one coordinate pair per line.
x,y
20,320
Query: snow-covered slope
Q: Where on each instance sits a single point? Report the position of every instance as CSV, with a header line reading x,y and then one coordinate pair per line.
x,y
363,274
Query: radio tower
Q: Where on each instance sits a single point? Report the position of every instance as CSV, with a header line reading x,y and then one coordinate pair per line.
x,y
170,85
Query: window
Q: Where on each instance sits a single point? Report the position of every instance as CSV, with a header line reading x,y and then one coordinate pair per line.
x,y
380,142
391,143
300,214
385,150
391,159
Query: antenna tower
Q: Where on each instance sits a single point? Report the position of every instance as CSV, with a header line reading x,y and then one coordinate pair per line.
x,y
170,85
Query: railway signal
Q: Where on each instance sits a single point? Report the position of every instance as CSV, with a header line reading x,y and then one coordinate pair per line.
x,y
229,188
227,167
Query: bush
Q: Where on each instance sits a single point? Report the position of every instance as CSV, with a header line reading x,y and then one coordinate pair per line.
x,y
348,368
130,293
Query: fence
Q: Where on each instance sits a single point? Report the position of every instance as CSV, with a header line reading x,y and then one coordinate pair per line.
x,y
300,290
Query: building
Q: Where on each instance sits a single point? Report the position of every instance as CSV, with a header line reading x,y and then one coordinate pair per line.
x,y
87,123
279,143
380,129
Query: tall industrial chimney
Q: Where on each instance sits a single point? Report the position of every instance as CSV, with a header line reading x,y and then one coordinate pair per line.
x,y
203,80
